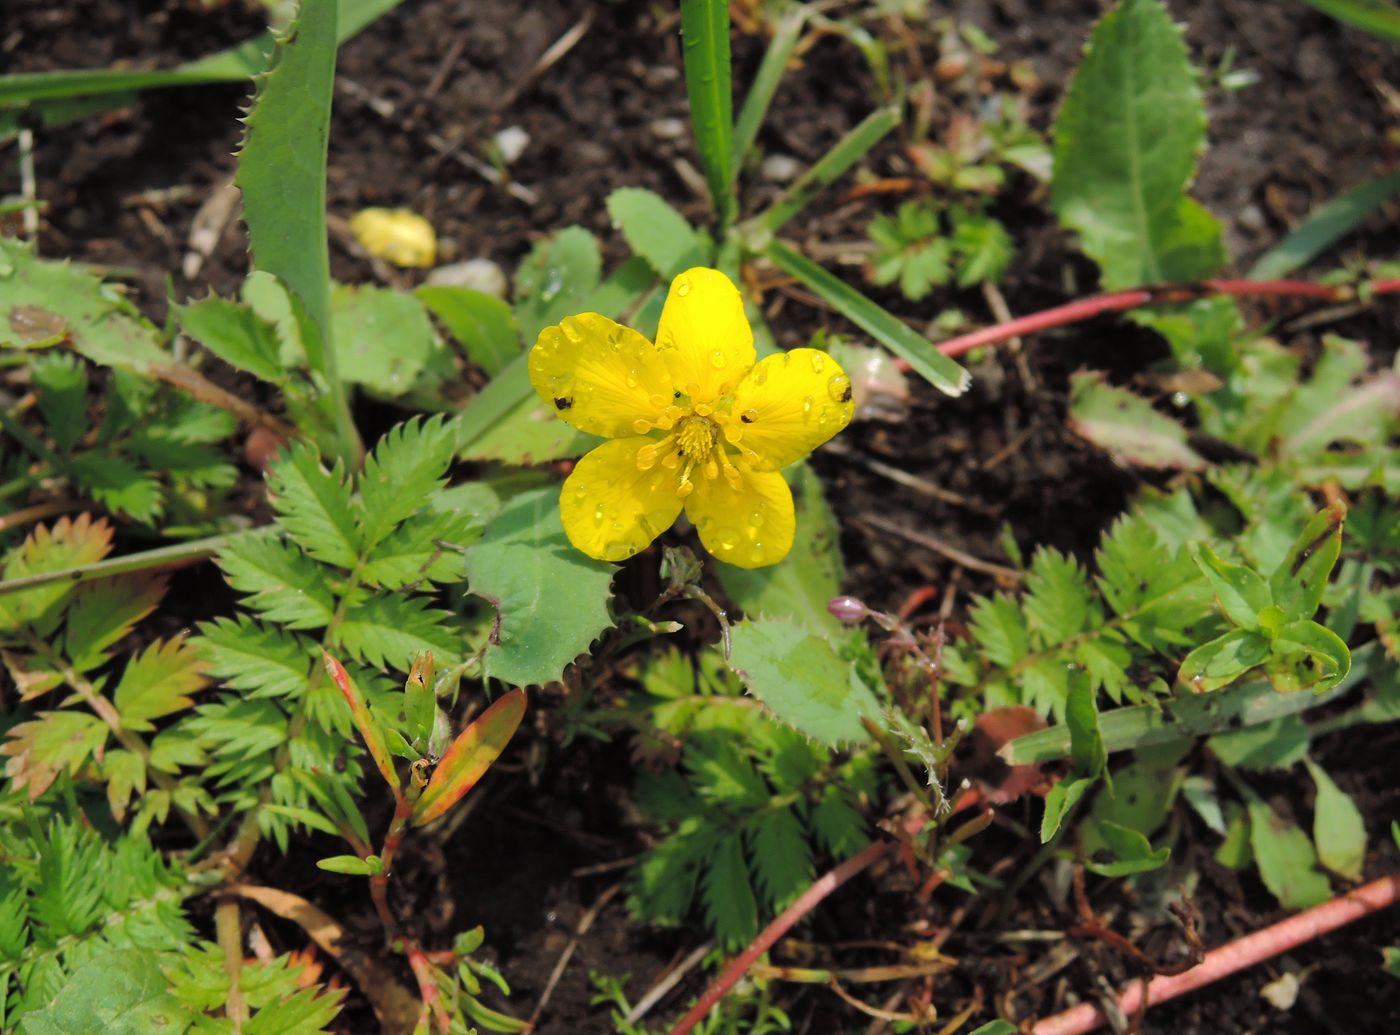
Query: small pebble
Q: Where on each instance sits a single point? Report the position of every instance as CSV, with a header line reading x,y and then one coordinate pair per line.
x,y
478,274
780,168
668,129
511,143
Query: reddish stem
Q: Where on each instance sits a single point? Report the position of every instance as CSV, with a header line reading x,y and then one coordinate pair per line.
x,y
739,966
1117,301
1237,955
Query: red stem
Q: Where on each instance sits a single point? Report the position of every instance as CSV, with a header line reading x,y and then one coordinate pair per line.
x,y
1237,955
1117,301
738,967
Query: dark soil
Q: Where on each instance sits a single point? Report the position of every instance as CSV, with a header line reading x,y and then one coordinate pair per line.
x,y
434,78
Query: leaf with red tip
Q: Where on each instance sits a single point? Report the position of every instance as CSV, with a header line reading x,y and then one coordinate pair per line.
x,y
470,755
364,721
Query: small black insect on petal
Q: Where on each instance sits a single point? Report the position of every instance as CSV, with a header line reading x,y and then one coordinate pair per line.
x,y
846,395
563,403
746,418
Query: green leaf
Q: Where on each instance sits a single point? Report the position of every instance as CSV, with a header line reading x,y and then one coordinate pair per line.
x,y
1132,852
118,484
782,859
246,655
1126,142
383,338
1000,629
983,246
61,380
1285,856
313,505
729,900
351,864
116,993
1127,426
1058,803
1058,603
41,749
997,1027
1300,581
390,631
893,333
656,231
1330,221
786,32
407,466
1308,656
279,580
236,334
802,680
799,587
1223,660
1378,17
371,731
509,423
470,755
1271,745
663,883
104,611
158,682
282,169
555,279
425,548
705,33
484,325
551,601
42,300
1086,747
1241,591
1338,829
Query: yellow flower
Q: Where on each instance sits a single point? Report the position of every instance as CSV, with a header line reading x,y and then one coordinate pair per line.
x,y
404,238
694,424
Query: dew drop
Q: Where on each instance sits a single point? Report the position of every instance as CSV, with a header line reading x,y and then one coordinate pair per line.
x,y
598,514
727,542
839,388
631,379
760,375
658,401
641,427
756,518
682,288
717,359
818,362
807,404
756,552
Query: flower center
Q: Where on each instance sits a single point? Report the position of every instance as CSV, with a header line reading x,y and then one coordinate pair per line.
x,y
696,436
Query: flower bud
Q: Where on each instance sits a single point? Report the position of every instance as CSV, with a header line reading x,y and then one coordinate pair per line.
x,y
848,609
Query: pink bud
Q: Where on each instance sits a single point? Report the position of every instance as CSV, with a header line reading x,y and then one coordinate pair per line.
x,y
848,609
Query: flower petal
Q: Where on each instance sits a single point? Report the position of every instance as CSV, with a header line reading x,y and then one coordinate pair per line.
x,y
704,335
611,508
600,376
751,526
787,406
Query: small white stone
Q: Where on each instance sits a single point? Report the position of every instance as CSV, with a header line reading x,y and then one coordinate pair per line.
x,y
1282,992
511,143
478,274
668,129
780,168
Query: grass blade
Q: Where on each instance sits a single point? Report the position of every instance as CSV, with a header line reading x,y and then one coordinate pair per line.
x,y
765,83
883,326
1374,16
705,30
1325,225
829,168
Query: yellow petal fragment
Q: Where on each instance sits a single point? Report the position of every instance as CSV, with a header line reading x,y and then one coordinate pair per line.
x,y
600,376
704,335
404,238
750,525
788,405
611,508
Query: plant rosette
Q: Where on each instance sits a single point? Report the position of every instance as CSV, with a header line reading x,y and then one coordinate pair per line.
x,y
694,423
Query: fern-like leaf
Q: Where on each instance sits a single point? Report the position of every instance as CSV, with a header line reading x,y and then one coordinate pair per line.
x,y
41,749
279,580
314,506
782,859
1058,603
422,549
728,895
1000,629
159,682
390,631
104,611
407,466
247,655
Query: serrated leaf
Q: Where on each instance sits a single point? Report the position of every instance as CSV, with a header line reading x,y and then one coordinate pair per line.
x,y
246,655
383,338
1125,147
425,548
313,505
728,895
839,828
1285,857
407,466
799,587
68,543
723,774
118,484
1127,425
41,749
1000,629
104,611
236,334
802,680
159,682
983,246
1338,828
554,280
278,580
61,381
42,299
483,325
1058,601
655,231
282,166
390,631
663,883
551,601
470,755
782,859
125,774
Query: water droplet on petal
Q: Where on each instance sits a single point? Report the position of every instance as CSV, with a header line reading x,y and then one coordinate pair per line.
x,y
760,374
818,362
727,542
598,514
756,518
756,552
631,379
682,287
717,359
839,388
807,408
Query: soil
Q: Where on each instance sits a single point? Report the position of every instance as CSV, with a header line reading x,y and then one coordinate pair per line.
x,y
435,79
